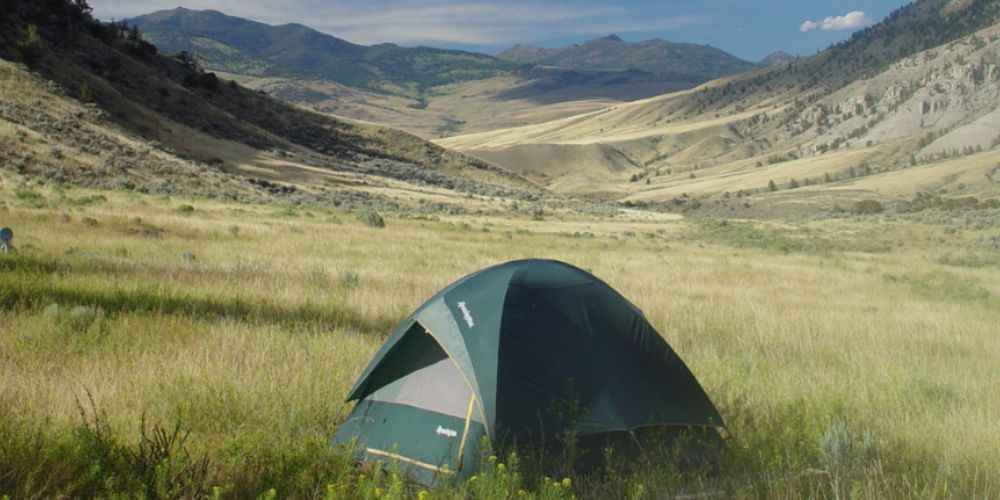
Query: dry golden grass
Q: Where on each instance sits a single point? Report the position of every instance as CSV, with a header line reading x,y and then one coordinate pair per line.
x,y
248,324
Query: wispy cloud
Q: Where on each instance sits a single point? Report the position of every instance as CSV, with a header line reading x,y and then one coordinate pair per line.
x,y
482,22
849,21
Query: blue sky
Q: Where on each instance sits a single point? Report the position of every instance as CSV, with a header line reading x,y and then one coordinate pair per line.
x,y
747,29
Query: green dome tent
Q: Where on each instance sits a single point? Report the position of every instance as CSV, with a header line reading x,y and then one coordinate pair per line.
x,y
495,353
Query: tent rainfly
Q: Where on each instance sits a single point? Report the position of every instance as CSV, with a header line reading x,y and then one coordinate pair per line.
x,y
495,353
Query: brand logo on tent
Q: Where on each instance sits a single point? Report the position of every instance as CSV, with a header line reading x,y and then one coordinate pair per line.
x,y
441,431
466,315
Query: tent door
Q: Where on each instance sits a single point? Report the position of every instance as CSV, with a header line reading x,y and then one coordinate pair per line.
x,y
424,412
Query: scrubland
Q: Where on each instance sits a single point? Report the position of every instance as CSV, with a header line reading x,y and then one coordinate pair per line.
x,y
167,346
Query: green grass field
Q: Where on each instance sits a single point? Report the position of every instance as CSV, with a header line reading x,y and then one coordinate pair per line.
x,y
154,346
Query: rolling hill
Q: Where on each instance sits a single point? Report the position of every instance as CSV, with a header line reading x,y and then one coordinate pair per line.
x,y
668,60
101,108
241,46
904,107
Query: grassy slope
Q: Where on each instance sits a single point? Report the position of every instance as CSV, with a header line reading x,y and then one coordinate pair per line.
x,y
203,128
848,357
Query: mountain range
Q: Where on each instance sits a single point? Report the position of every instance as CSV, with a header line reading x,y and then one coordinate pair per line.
x,y
241,46
907,106
245,47
429,92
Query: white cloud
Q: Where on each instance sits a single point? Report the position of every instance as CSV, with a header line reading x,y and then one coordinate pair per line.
x,y
849,21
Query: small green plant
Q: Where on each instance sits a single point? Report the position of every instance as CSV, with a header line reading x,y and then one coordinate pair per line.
x,y
496,478
27,195
32,199
372,218
184,209
349,278
844,454
85,94
86,200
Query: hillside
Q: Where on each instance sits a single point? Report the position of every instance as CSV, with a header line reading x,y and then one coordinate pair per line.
x,y
473,106
904,107
102,109
428,92
668,60
241,46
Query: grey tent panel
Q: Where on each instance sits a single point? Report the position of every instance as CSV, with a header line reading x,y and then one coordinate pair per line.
x,y
438,387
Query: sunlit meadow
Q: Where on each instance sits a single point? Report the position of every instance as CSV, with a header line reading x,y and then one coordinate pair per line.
x,y
184,347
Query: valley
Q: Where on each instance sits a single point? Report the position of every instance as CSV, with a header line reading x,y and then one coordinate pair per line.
x,y
206,254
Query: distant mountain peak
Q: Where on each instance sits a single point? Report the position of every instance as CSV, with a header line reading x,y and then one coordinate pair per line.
x,y
613,38
184,18
777,58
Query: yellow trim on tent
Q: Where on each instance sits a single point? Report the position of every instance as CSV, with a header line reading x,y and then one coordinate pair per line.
x,y
401,458
465,433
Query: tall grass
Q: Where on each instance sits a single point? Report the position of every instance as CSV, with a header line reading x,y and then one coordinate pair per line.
x,y
162,353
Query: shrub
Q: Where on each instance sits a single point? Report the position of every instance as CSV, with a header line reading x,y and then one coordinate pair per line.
x,y
27,195
349,278
86,200
864,207
372,218
85,94
184,209
76,319
30,47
